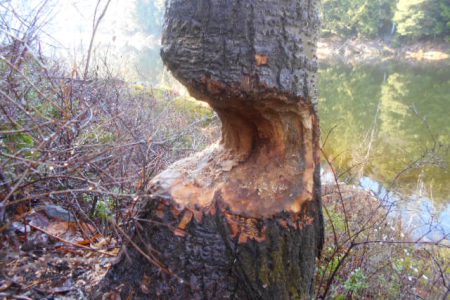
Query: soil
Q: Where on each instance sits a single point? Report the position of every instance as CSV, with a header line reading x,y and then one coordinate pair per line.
x,y
62,263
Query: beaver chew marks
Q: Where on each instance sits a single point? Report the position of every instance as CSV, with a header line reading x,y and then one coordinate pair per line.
x,y
254,63
242,219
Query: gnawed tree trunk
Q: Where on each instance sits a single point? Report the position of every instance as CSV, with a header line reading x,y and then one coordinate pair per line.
x,y
242,219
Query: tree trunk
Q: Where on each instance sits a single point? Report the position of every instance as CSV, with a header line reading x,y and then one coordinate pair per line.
x,y
242,219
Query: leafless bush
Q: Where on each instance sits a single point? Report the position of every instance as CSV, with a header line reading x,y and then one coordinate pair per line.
x,y
369,253
88,144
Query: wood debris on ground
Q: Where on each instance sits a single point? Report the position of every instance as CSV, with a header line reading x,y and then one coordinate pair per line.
x,y
46,257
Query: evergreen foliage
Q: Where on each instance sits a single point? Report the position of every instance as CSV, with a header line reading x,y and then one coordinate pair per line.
x,y
423,18
377,18
367,18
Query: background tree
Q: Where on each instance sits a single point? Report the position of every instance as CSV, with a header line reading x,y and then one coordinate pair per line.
x,y
423,18
412,18
357,17
149,15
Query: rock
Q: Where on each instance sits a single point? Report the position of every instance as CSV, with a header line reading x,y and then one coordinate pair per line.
x,y
57,212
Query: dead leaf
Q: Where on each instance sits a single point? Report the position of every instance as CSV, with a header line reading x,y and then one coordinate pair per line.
x,y
68,250
114,251
87,229
130,295
5,284
145,284
85,242
61,228
21,210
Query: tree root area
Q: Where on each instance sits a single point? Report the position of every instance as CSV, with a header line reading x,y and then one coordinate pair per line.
x,y
212,253
51,271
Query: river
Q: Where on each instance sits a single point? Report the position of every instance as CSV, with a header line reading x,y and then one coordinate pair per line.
x,y
389,125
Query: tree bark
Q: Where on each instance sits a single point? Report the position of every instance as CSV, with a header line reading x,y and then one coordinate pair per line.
x,y
242,219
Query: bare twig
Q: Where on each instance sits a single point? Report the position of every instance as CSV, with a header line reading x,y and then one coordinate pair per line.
x,y
96,22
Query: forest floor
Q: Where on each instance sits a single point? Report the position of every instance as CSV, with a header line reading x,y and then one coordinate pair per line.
x,y
51,258
358,50
45,255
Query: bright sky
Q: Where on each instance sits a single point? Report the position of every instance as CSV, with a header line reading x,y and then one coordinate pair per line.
x,y
70,24
73,23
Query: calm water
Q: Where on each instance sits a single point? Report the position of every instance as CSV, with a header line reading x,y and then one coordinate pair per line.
x,y
388,125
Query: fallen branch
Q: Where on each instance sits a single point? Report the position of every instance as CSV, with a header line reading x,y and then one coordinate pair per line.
x,y
70,243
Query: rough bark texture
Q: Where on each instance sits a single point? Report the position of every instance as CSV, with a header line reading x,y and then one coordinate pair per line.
x,y
242,219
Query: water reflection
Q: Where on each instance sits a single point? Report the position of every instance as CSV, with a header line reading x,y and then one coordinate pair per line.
x,y
387,118
388,126
420,217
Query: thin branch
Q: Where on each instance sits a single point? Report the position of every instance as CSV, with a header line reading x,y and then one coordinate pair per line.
x,y
96,23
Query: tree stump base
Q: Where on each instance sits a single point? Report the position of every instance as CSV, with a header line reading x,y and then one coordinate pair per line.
x,y
211,253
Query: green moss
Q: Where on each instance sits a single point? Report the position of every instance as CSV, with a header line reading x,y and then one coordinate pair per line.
x,y
138,88
19,141
157,93
98,134
264,271
278,267
193,108
335,218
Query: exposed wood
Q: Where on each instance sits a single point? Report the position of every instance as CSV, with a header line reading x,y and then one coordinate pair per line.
x,y
242,219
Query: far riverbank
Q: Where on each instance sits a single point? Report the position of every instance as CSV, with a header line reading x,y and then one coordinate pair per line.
x,y
361,50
